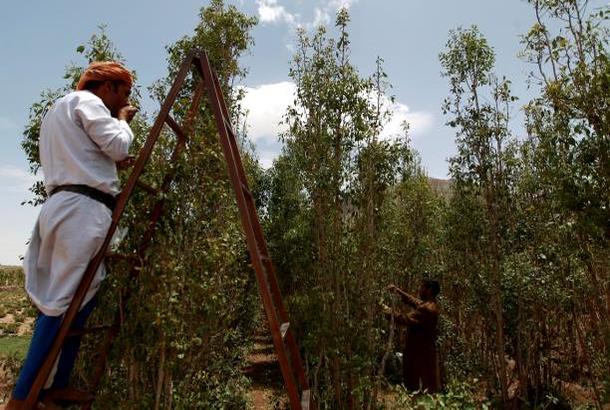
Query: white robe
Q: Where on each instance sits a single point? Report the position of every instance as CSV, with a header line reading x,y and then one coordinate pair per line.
x,y
79,144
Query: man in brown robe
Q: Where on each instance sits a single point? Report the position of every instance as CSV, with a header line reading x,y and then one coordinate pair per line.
x,y
420,361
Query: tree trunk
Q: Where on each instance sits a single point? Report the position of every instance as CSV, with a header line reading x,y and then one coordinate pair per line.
x,y
160,374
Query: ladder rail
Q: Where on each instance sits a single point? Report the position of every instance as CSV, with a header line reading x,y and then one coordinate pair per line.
x,y
261,242
258,231
253,230
273,284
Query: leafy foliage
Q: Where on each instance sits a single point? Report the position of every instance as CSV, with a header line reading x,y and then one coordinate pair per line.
x,y
519,243
195,297
338,196
457,396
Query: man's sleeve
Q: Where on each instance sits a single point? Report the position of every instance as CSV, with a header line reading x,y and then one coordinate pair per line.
x,y
425,315
411,300
111,135
399,318
416,318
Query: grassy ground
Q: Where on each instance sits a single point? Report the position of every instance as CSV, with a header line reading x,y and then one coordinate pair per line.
x,y
16,320
16,313
15,346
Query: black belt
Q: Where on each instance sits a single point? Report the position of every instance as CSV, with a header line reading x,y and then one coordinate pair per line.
x,y
103,197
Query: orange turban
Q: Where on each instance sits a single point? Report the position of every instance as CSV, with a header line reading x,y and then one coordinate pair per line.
x,y
103,71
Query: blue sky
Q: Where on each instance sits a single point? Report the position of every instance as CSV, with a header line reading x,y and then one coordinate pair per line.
x,y
38,39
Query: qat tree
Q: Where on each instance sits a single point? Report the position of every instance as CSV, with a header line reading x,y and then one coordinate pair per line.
x,y
570,121
482,173
196,298
333,205
569,125
330,116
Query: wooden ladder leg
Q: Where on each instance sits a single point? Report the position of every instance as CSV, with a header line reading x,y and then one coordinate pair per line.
x,y
262,245
268,288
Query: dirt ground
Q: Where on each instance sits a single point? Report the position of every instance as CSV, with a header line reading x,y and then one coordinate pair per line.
x,y
267,390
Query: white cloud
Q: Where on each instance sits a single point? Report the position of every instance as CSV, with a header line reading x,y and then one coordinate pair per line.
x,y
419,121
271,12
338,4
321,17
324,13
11,171
267,103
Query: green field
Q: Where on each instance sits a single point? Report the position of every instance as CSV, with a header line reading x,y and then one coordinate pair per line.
x,y
15,346
16,314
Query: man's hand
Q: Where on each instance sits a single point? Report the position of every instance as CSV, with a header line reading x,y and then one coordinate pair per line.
x,y
126,163
386,309
126,113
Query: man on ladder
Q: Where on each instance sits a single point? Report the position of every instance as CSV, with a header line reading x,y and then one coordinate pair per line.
x,y
83,138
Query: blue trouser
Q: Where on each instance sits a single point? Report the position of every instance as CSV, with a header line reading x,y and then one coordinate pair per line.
x,y
45,329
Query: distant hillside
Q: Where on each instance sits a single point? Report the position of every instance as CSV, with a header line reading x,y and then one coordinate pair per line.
x,y
440,186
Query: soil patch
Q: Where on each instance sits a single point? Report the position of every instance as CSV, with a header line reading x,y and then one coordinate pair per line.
x,y
267,390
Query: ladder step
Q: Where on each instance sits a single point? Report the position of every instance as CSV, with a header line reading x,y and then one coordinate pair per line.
x,y
176,128
81,332
284,329
305,399
147,188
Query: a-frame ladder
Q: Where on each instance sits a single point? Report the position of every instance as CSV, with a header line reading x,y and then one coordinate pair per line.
x,y
286,348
